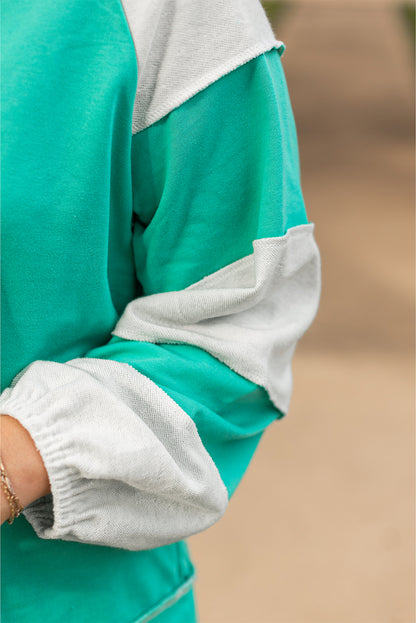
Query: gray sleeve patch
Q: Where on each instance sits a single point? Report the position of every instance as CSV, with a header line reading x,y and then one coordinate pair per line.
x,y
249,314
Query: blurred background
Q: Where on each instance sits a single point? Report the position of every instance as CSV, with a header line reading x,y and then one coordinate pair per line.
x,y
321,529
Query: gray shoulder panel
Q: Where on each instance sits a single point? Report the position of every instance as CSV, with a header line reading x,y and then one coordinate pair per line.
x,y
182,46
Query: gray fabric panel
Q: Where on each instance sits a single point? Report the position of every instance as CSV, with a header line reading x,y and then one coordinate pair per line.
x,y
184,45
250,314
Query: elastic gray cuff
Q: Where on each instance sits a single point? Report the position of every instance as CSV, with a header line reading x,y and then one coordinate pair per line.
x,y
126,465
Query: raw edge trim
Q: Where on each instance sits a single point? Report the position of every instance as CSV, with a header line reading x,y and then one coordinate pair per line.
x,y
168,601
208,79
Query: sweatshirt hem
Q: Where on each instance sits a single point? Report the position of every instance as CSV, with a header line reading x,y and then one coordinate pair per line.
x,y
167,602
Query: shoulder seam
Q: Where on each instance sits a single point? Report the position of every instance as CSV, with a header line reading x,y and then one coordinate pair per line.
x,y
205,81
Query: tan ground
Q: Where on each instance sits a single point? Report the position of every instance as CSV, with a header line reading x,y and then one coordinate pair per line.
x,y
321,528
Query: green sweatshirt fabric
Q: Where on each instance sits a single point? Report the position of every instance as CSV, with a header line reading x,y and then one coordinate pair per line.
x,y
92,218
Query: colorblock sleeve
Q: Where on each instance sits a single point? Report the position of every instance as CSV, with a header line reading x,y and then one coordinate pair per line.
x,y
146,437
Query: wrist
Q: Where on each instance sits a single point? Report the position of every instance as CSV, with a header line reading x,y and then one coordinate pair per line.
x,y
5,510
23,464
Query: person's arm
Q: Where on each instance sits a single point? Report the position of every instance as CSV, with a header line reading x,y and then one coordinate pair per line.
x,y
146,437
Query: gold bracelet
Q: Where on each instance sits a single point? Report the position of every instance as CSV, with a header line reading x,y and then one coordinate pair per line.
x,y
15,504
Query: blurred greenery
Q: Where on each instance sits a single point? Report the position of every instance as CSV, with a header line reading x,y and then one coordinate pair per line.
x,y
407,11
276,10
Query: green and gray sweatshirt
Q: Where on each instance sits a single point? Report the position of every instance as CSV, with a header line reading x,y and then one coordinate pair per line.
x,y
157,270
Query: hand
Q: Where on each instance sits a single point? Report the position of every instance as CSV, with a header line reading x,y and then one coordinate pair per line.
x,y
23,464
